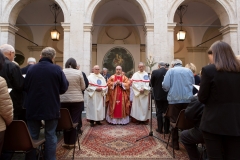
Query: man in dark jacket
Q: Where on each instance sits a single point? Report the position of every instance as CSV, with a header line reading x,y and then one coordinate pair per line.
x,y
160,97
44,83
193,136
13,76
30,61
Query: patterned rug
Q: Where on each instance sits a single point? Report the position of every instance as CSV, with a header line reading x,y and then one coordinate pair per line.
x,y
118,142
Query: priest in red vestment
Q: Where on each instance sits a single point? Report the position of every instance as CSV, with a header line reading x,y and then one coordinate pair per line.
x,y
118,107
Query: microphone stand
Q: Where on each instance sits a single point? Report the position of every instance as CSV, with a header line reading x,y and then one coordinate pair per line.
x,y
151,131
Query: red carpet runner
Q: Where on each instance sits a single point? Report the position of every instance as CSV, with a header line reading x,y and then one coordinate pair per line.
x,y
118,142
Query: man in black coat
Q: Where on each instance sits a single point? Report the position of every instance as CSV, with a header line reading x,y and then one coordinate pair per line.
x,y
160,97
30,61
44,82
13,76
193,136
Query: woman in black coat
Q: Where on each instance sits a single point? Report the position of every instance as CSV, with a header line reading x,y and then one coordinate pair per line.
x,y
219,91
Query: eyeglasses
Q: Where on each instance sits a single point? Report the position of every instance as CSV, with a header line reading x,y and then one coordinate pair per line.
x,y
96,69
118,69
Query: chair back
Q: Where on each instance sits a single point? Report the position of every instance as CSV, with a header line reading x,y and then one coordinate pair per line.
x,y
17,137
167,113
183,123
65,121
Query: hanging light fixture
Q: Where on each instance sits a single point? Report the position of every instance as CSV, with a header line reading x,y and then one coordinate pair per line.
x,y
55,9
181,10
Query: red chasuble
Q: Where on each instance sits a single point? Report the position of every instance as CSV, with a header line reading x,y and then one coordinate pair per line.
x,y
118,97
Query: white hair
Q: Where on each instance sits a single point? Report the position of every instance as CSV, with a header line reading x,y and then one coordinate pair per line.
x,y
6,48
31,59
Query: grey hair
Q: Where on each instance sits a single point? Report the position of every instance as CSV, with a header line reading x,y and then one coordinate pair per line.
x,y
178,62
6,48
161,63
49,52
141,63
104,69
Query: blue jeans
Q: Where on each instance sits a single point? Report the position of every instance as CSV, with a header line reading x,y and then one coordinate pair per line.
x,y
50,136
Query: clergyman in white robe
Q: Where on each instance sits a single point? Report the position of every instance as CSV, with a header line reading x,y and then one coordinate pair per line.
x,y
140,104
95,109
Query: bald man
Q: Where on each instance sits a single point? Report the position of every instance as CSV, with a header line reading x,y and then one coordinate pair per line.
x,y
140,85
96,91
118,108
13,76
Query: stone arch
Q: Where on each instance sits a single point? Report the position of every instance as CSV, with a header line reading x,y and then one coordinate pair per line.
x,y
222,8
95,4
13,8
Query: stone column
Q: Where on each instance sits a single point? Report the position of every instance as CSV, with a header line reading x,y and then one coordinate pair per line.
x,y
87,48
198,55
149,48
170,55
7,34
94,56
142,53
230,36
66,41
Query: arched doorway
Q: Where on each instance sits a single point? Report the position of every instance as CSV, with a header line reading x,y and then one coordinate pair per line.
x,y
31,32
118,24
204,22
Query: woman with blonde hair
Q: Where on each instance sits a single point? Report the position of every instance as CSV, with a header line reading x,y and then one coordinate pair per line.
x,y
197,80
219,91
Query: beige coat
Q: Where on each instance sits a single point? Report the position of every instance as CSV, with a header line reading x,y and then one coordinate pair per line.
x,y
76,86
6,106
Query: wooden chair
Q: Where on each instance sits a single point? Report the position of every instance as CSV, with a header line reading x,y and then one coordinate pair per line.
x,y
65,123
17,139
182,123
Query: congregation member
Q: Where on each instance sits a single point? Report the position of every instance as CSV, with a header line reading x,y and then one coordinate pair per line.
x,y
197,80
118,108
44,83
96,91
72,99
105,74
191,137
160,97
13,76
219,91
140,106
30,61
178,81
86,86
6,106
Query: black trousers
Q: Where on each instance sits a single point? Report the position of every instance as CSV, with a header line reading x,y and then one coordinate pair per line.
x,y
1,140
174,110
161,108
190,138
221,147
75,110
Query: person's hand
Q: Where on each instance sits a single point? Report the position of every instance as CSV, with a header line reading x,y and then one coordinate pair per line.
x,y
118,82
99,89
142,91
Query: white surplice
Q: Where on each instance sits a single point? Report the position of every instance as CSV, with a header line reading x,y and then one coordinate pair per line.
x,y
95,108
140,104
